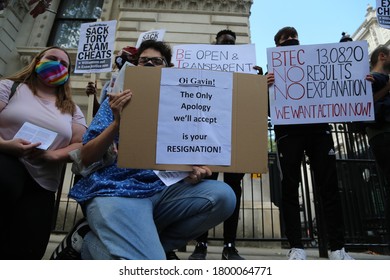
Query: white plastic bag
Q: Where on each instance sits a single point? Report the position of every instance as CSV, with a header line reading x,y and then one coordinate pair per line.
x,y
79,169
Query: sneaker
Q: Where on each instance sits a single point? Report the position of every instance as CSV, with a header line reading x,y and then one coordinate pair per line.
x,y
200,252
171,255
230,253
340,255
70,247
296,254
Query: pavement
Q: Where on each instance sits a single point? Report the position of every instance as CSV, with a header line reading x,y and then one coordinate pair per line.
x,y
249,253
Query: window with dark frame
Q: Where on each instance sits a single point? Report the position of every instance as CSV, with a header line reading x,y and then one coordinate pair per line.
x,y
71,14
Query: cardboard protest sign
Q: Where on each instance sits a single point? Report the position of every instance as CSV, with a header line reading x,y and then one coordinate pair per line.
x,y
156,35
230,58
96,47
199,105
320,83
383,13
140,119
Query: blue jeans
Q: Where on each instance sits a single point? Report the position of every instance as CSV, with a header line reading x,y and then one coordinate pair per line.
x,y
146,228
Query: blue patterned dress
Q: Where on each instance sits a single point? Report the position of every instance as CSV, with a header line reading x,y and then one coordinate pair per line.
x,y
111,180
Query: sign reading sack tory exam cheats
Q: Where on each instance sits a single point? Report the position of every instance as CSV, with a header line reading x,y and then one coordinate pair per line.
x,y
228,58
194,117
320,83
96,47
383,13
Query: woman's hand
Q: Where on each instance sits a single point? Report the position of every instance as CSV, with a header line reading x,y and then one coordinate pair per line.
x,y
198,173
118,102
19,147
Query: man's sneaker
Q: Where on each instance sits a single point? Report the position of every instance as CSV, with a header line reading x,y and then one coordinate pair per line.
x,y
70,247
340,255
230,253
200,252
171,255
296,254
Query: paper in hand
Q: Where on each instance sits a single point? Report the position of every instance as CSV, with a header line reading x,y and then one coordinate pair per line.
x,y
36,134
120,79
171,177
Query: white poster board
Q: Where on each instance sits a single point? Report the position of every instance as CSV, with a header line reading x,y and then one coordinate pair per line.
x,y
194,117
320,83
96,47
383,13
229,58
156,35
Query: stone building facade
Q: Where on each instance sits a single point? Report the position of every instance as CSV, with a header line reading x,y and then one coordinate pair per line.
x,y
370,31
185,22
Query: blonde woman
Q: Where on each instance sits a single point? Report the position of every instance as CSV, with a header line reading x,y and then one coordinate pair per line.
x,y
41,95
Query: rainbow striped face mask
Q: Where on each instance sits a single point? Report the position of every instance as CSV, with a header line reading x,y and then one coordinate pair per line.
x,y
51,72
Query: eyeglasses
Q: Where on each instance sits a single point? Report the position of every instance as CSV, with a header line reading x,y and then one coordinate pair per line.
x,y
156,61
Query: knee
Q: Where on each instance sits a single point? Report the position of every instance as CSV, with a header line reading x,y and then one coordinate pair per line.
x,y
224,197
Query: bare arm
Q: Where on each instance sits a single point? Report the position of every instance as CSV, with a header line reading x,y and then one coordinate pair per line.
x,y
95,149
61,154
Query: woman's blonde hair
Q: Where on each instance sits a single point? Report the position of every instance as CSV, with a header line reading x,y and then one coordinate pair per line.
x,y
27,75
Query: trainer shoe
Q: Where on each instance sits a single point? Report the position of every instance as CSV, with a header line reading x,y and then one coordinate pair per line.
x,y
230,252
70,247
340,255
296,254
200,252
171,255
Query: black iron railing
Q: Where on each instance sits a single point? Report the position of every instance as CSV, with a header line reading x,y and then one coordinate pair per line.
x,y
362,190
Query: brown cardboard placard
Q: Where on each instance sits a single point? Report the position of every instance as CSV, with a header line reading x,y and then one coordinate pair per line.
x,y
138,128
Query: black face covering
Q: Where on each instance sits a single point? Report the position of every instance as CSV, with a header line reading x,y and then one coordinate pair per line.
x,y
290,42
148,64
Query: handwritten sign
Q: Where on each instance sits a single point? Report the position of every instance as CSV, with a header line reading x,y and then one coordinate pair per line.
x,y
383,13
194,117
156,35
95,47
229,58
320,83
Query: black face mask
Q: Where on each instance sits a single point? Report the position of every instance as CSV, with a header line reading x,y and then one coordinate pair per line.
x,y
148,64
290,42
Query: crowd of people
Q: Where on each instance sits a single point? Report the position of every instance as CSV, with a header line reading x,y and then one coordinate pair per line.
x,y
115,200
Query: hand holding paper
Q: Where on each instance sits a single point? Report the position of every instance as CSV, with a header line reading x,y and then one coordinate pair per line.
x,y
35,134
20,148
